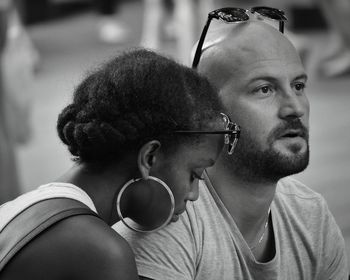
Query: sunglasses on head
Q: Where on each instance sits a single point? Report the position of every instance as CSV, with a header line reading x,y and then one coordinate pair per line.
x,y
230,15
231,132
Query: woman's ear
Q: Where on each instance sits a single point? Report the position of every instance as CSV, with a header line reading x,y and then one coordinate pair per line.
x,y
147,157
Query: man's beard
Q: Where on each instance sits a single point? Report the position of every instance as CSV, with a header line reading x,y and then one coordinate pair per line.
x,y
251,163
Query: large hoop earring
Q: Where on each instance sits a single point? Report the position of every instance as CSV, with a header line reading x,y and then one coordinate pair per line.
x,y
132,224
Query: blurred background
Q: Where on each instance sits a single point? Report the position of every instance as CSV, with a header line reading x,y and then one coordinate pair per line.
x,y
47,46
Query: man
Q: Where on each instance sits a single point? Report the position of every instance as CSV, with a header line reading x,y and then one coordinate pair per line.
x,y
252,221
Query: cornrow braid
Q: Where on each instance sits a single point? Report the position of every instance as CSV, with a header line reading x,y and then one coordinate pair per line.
x,y
66,116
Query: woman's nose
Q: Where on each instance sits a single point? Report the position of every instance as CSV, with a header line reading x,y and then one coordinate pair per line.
x,y
194,193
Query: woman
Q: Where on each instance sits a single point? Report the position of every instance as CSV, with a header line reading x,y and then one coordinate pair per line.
x,y
142,129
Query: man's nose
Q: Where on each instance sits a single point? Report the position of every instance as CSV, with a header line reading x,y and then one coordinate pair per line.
x,y
293,105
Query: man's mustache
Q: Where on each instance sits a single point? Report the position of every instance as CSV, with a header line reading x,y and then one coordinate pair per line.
x,y
293,127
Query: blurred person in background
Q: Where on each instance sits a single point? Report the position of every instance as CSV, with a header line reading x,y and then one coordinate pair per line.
x,y
157,14
111,29
174,19
9,185
18,61
337,57
141,129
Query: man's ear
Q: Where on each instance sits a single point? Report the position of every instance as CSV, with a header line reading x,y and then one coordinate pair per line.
x,y
147,157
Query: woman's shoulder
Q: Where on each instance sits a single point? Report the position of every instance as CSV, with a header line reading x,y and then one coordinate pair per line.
x,y
80,247
89,233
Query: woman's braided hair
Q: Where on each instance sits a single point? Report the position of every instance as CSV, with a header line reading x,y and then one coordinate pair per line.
x,y
134,98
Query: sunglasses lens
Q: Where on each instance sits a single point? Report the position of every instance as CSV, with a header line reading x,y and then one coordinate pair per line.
x,y
231,14
270,13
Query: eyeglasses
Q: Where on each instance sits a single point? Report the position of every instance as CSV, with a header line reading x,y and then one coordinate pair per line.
x,y
230,15
232,132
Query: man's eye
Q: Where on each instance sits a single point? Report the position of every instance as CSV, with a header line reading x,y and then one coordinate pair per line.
x,y
299,86
264,90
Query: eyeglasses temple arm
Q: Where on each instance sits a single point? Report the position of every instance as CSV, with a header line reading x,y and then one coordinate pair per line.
x,y
200,43
206,132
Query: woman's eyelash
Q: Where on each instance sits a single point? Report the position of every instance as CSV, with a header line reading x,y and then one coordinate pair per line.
x,y
195,175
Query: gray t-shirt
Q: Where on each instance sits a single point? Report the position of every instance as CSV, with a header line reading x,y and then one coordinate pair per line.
x,y
205,244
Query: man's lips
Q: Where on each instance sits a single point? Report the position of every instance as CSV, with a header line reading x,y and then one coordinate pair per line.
x,y
291,133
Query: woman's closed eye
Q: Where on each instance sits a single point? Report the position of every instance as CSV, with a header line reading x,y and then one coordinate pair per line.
x,y
196,176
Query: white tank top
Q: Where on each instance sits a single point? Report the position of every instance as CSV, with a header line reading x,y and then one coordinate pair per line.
x,y
9,210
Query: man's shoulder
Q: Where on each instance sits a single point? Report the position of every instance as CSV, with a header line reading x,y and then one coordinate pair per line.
x,y
303,214
290,186
294,195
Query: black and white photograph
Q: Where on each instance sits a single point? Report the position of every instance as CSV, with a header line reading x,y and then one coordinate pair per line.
x,y
174,139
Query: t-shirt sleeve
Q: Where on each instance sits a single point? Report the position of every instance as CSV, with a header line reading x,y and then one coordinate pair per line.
x,y
167,254
336,264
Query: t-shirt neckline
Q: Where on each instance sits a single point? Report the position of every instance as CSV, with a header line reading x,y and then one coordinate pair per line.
x,y
234,228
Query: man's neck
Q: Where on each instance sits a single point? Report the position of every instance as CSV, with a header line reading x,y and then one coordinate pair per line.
x,y
247,202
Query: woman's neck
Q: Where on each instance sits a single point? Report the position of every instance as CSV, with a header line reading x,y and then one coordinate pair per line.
x,y
101,184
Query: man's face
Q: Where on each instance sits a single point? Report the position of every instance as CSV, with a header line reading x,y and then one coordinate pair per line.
x,y
265,96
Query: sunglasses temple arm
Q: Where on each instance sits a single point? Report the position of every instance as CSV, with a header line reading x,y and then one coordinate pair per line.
x,y
200,44
281,26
